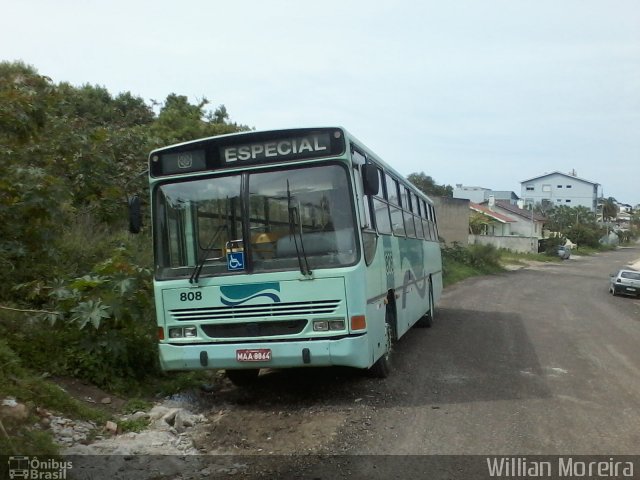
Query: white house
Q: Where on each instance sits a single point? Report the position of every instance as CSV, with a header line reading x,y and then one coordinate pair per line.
x,y
559,188
481,194
526,222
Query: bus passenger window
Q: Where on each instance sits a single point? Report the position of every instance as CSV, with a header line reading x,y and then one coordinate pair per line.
x,y
382,216
397,221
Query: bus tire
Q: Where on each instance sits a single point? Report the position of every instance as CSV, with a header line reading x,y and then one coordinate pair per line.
x,y
382,367
426,321
243,378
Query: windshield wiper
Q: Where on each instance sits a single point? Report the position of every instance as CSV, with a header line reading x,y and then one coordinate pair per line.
x,y
293,211
195,275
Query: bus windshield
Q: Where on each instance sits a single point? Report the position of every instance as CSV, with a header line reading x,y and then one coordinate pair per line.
x,y
291,217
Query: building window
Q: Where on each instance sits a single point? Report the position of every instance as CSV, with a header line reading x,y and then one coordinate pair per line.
x,y
530,188
559,186
559,200
546,188
568,186
568,201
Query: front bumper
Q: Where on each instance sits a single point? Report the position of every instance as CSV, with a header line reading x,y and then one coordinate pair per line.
x,y
626,290
353,351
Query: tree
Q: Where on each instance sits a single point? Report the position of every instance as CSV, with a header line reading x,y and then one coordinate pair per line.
x,y
584,235
25,97
33,200
179,121
609,209
428,185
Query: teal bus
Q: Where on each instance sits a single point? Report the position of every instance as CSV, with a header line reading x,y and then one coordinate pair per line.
x,y
287,248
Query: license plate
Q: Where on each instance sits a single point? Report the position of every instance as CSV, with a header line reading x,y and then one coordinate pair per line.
x,y
630,289
254,355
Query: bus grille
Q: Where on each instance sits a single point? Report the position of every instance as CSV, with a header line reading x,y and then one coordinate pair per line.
x,y
263,311
254,329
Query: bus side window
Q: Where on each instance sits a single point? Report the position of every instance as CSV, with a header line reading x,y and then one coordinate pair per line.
x,y
425,222
393,198
364,203
435,222
416,216
407,205
381,208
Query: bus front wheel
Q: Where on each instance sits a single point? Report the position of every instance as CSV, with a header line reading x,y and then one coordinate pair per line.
x,y
426,321
243,378
382,367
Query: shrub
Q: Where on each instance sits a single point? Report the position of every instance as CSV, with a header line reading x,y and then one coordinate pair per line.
x,y
459,262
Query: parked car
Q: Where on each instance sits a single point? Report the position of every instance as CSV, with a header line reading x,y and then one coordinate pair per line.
x,y
625,282
564,252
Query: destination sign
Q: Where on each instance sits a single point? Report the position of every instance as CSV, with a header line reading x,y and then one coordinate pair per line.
x,y
246,149
284,149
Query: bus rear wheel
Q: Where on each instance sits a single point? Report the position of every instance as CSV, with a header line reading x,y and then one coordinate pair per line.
x,y
243,378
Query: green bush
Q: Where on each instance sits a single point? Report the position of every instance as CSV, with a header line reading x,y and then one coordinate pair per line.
x,y
460,262
101,325
552,243
584,235
112,311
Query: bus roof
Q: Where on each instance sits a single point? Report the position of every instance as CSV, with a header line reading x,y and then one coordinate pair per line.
x,y
262,146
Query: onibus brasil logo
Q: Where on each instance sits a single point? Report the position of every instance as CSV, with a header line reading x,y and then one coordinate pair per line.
x,y
38,469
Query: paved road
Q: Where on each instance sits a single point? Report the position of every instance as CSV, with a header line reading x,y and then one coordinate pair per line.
x,y
537,361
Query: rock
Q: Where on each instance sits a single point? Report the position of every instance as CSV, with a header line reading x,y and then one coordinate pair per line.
x,y
139,415
158,412
12,410
170,417
183,420
111,427
106,400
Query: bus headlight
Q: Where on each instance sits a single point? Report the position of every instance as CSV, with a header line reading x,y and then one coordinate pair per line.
x,y
320,325
183,332
336,325
328,325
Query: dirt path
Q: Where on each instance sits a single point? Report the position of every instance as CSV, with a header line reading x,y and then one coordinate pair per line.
x,y
538,361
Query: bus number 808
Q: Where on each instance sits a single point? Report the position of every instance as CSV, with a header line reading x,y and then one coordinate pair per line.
x,y
190,296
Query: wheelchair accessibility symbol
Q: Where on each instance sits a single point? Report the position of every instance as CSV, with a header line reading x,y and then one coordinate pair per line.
x,y
235,261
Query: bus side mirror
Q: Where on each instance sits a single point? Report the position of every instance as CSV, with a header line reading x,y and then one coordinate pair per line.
x,y
370,179
135,215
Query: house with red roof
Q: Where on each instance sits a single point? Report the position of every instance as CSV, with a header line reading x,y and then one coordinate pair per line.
x,y
526,223
511,228
489,222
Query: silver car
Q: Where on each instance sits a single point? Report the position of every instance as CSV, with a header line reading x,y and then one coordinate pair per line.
x,y
564,252
625,282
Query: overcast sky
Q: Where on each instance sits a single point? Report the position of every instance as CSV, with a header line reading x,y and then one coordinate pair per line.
x,y
478,92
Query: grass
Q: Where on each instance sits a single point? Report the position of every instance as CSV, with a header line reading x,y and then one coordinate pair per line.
x,y
515,258
134,405
455,271
137,425
17,435
584,250
460,263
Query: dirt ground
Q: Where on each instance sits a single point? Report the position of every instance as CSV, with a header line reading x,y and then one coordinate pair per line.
x,y
287,417
90,394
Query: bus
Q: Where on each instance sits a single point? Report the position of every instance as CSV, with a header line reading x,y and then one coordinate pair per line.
x,y
287,248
